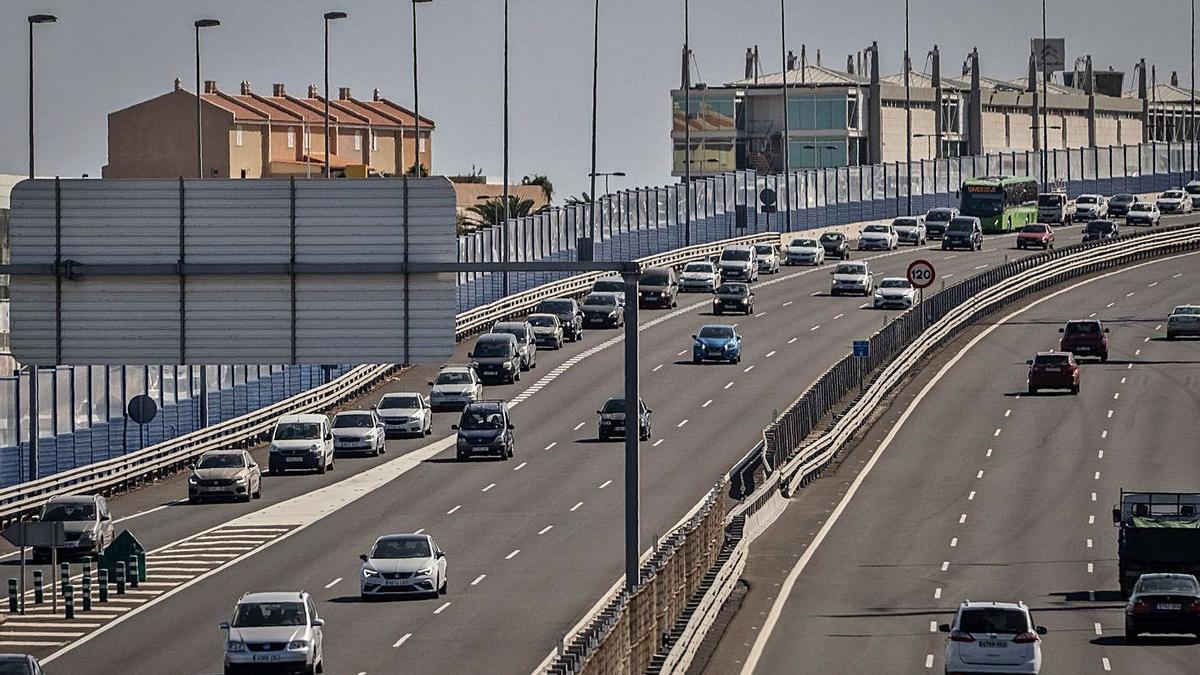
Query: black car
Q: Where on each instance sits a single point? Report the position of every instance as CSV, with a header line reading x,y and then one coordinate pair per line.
x,y
612,419
658,287
963,232
485,430
1099,230
604,309
836,244
734,296
1163,603
569,315
19,664
937,220
1119,204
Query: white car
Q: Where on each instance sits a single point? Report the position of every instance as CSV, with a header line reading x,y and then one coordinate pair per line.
x,y
738,263
852,277
804,251
1174,201
699,276
302,441
895,292
878,237
277,631
455,387
993,637
402,564
1090,207
358,431
1184,320
767,256
405,413
910,230
1143,213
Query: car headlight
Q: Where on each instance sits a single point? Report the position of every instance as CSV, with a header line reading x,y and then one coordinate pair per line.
x,y
298,644
274,448
508,366
744,301
235,646
314,448
425,571
370,573
241,479
192,480
463,442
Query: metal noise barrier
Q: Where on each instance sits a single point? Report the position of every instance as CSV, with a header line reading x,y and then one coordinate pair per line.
x,y
794,451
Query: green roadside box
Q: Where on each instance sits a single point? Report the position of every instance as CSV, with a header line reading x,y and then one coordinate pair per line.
x,y
122,549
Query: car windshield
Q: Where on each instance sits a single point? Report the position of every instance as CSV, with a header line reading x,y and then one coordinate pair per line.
x,y
1035,229
982,203
222,461
735,254
297,431
1051,360
481,419
699,267
993,620
733,289
656,279
904,222
262,614
1099,226
804,243
764,249
1051,200
1085,199
492,348
850,269
356,421
555,306
453,377
718,332
542,321
829,236
1141,207
1173,194
962,225
1193,189
515,329
608,286
1122,199
15,666
403,402
1193,310
876,228
895,283
402,547
613,405
939,216
594,300
69,512
1083,328
1180,585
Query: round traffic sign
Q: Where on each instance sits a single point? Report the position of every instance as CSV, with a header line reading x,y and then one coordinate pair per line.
x,y
921,273
767,196
142,409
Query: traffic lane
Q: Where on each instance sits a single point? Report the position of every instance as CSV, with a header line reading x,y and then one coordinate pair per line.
x,y
1059,555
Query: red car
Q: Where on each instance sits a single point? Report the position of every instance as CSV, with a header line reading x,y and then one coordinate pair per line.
x,y
1053,370
1085,338
1035,234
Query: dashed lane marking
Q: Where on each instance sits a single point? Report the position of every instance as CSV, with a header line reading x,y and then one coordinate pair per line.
x,y
403,638
489,487
551,446
520,466
604,484
707,403
512,555
680,425
838,317
577,505
478,579
657,443
545,529
769,354
333,583
579,426
657,368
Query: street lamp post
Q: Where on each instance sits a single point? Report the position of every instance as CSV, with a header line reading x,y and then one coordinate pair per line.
x,y
587,252
329,16
34,19
908,115
1045,106
504,223
1192,96
687,128
787,154
594,174
200,23
416,90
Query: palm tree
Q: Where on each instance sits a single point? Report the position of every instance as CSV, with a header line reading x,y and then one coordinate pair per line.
x,y
491,212
417,170
543,182
579,200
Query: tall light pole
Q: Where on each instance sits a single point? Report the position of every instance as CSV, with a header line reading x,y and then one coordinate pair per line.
x,y
588,252
908,116
329,16
34,19
504,224
1192,96
200,23
687,127
787,153
416,89
1045,107
614,174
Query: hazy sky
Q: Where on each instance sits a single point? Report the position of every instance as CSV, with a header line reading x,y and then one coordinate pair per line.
x,y
107,54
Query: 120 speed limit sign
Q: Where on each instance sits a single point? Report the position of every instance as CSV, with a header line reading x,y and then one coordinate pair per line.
x,y
921,273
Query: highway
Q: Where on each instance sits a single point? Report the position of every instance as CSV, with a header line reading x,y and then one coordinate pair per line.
x,y
532,543
969,488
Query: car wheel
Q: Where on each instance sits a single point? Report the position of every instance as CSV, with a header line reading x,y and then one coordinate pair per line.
x,y
321,666
191,500
1131,635
697,360
444,587
717,311
322,468
331,460
1075,389
509,453
247,497
258,492
1104,357
310,670
737,359
229,670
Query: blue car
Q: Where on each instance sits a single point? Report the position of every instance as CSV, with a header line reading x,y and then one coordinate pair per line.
x,y
717,342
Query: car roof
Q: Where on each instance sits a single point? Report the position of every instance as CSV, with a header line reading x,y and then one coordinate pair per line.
x,y
302,417
742,247
604,294
895,279
718,325
1071,321
273,596
970,604
497,337
1166,575
236,451
403,537
488,404
73,499
542,314
610,277
1053,352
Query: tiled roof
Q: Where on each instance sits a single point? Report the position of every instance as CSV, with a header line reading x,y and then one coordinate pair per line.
x,y
254,107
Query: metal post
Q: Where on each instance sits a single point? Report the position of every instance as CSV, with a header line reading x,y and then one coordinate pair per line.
x,y
1045,104
587,252
69,601
39,591
12,595
87,586
632,435
135,571
120,577
504,223
53,587
1192,94
103,584
787,151
34,421
687,126
416,99
907,117
326,61
64,573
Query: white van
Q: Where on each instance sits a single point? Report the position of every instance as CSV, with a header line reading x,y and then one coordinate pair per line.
x,y
301,442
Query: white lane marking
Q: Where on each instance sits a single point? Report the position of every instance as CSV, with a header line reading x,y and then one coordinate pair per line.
x,y
1136,352
1104,434
1129,294
1109,305
1146,339
403,639
1128,366
512,555
1008,412
865,305
789,302
545,529
548,447
657,443
1089,543
962,519
656,368
1176,276
950,257
760,314
1158,327
945,565
1117,395
1152,284
815,294
1092,519
769,354
451,511
333,583
954,542
793,340
1097,476
729,385
1110,414
520,466
680,425
441,609
929,660
604,484
489,487
579,426
1092,315
933,627
577,505
1098,631
947,276
1099,454
988,453
937,593
979,267
707,403
997,433
1091,568
1093,496
979,475
814,328
838,317
478,579
681,353
971,497
748,369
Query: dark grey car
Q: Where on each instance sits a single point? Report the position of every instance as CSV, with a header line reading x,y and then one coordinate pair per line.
x,y
569,315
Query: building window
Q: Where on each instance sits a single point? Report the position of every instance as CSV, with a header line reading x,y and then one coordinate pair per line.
x,y
706,112
421,143
852,114
238,137
291,138
307,140
819,153
358,140
374,141
707,157
809,111
951,116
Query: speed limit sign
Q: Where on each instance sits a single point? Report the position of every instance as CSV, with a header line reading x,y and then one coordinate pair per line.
x,y
921,273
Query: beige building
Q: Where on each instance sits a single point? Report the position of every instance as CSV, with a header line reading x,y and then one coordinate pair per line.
x,y
253,135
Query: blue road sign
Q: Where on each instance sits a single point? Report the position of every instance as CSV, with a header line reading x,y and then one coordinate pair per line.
x,y
862,348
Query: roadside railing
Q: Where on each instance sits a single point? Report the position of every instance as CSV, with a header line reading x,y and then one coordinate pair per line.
x,y
793,451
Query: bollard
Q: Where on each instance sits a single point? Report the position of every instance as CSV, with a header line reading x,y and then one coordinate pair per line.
x,y
103,584
135,571
69,601
64,576
87,589
12,596
39,593
120,578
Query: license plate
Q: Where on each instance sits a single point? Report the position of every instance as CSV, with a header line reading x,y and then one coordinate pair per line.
x,y
1169,606
619,428
395,582
993,644
480,448
1083,349
294,459
1053,369
266,657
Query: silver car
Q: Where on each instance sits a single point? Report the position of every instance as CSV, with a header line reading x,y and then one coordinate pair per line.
x,y
547,330
454,388
404,413
358,431
403,564
526,341
86,521
230,474
1184,320
275,631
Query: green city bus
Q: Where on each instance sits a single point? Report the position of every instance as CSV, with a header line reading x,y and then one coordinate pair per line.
x,y
1002,203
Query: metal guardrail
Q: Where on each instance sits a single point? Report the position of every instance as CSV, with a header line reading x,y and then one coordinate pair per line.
x,y
897,350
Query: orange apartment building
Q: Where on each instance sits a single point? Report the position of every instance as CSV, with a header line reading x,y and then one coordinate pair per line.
x,y
250,135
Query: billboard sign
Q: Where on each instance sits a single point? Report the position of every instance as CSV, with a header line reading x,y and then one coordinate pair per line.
x,y
1051,55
